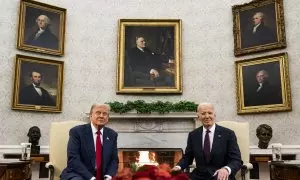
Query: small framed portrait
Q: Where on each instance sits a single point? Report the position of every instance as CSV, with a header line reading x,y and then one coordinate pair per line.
x,y
149,56
258,26
41,28
263,84
38,84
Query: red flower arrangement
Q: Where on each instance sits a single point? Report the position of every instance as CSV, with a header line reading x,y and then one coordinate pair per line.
x,y
151,172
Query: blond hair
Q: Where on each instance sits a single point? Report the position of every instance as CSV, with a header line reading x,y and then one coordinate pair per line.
x,y
100,105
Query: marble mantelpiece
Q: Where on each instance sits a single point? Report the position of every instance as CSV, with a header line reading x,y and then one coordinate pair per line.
x,y
152,130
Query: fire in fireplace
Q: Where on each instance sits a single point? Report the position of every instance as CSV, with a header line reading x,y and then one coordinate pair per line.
x,y
150,156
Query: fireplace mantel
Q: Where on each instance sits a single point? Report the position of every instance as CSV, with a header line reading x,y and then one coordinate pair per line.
x,y
153,123
171,115
153,130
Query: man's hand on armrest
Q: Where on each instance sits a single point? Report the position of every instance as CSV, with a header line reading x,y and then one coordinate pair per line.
x,y
223,173
248,166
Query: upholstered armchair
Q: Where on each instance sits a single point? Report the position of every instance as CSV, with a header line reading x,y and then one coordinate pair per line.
x,y
241,130
59,136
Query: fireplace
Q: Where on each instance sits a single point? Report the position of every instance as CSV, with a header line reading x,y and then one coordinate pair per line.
x,y
153,156
162,136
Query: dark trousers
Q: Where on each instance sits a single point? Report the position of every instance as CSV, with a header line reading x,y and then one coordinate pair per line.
x,y
76,178
202,177
202,174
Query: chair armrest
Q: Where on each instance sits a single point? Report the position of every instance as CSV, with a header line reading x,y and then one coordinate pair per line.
x,y
247,166
50,166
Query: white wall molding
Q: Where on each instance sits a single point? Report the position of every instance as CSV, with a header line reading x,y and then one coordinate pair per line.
x,y
18,149
286,149
215,81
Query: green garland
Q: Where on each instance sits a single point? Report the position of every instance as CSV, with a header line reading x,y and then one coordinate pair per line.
x,y
161,107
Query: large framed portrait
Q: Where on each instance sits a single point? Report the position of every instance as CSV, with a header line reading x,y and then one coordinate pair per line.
x,y
149,56
38,84
41,28
263,84
258,26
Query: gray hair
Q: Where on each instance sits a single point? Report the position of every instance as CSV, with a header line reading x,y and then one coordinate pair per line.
x,y
263,71
47,20
261,15
205,104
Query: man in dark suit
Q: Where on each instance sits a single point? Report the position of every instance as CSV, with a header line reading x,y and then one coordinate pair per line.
x,y
43,36
213,147
92,148
34,94
144,65
264,93
258,34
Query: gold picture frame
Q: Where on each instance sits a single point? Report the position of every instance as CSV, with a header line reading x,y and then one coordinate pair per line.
x,y
263,84
41,28
154,64
38,84
258,26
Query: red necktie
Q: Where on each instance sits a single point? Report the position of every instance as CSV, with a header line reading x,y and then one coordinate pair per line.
x,y
99,156
206,147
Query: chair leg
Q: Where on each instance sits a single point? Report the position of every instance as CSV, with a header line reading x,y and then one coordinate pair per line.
x,y
51,168
243,173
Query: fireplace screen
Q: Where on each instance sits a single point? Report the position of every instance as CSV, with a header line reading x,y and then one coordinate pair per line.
x,y
141,156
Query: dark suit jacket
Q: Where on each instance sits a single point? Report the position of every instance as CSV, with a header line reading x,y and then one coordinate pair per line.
x,y
263,35
138,65
224,152
143,61
46,40
268,94
28,95
82,156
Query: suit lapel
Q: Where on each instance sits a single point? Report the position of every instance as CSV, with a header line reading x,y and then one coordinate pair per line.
x,y
201,138
35,92
106,141
89,139
197,138
216,142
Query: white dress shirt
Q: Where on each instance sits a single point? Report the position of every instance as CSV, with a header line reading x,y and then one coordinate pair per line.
x,y
254,28
211,138
260,86
38,89
37,35
211,135
95,130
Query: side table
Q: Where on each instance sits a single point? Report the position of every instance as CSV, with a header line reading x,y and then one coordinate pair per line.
x,y
35,158
14,169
